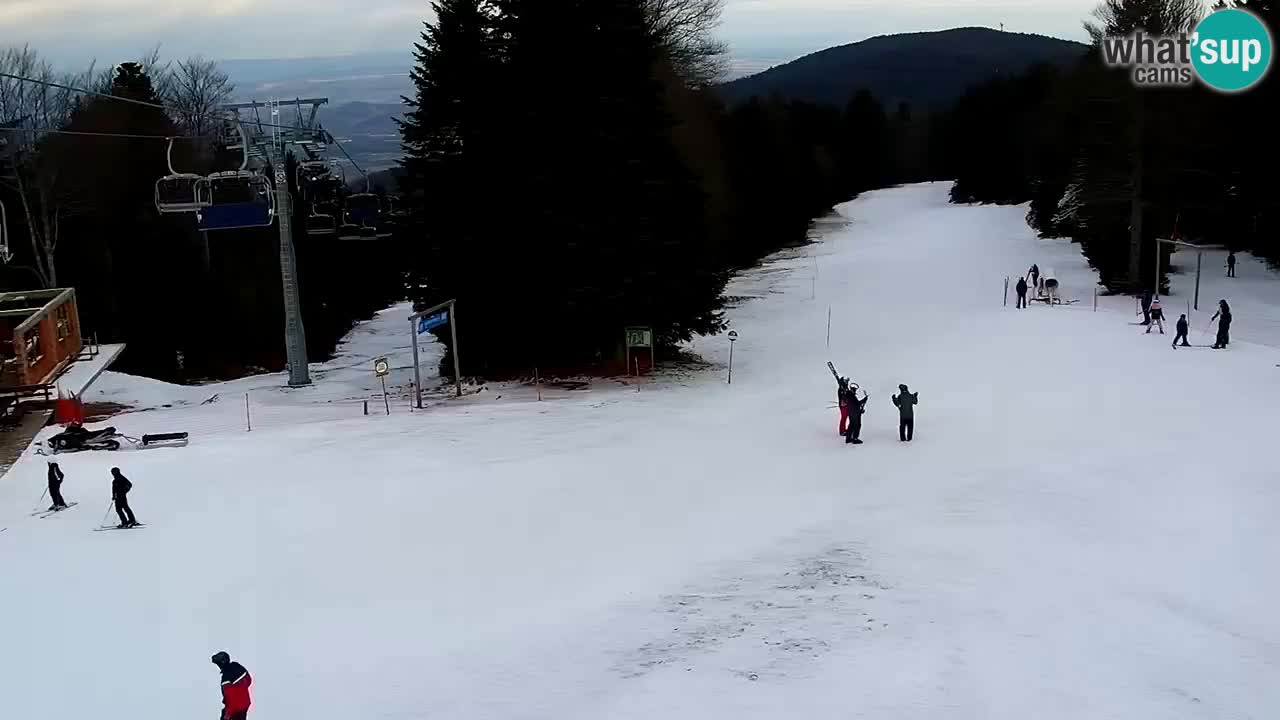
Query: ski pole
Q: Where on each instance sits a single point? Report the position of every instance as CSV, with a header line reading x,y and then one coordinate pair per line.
x,y
107,514
41,500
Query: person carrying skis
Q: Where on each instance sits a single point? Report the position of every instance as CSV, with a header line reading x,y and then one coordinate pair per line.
x,y
1231,264
120,487
906,401
1157,316
1183,329
1022,293
1146,307
856,409
843,394
235,687
55,487
1223,316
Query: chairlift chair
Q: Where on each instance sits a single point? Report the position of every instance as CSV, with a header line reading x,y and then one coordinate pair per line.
x,y
322,221
236,199
176,192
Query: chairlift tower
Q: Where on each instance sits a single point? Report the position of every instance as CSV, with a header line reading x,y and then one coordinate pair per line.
x,y
268,141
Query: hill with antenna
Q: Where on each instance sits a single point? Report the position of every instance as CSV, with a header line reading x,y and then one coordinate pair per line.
x,y
928,69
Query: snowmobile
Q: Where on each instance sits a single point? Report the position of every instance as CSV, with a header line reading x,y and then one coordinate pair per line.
x,y
76,438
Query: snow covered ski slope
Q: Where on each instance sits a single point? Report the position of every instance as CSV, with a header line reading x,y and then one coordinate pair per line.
x,y
1084,527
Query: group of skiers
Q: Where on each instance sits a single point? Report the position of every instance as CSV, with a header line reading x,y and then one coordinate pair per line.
x,y
120,487
1046,286
1153,316
852,409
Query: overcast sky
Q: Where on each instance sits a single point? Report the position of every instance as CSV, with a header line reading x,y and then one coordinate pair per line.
x,y
73,31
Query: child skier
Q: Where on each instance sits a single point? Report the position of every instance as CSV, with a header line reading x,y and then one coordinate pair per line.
x,y
120,487
1157,316
1183,328
906,401
55,487
856,409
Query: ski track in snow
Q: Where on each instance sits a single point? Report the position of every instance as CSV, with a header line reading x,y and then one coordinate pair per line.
x,y
1084,526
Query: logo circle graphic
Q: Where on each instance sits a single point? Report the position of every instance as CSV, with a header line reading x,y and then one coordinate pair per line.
x,y
1232,51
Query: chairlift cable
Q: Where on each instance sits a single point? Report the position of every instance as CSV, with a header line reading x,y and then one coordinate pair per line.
x,y
143,103
81,133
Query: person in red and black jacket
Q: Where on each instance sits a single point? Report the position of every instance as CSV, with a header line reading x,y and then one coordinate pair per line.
x,y
235,688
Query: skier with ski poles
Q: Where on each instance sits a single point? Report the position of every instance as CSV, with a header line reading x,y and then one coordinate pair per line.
x,y
856,409
1183,329
1021,287
120,487
1223,316
235,687
55,487
1157,316
906,401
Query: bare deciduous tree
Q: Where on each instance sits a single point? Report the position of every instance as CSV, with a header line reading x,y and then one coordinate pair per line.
x,y
683,28
194,89
34,108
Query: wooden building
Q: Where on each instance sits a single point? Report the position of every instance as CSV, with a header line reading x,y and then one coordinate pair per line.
x,y
39,336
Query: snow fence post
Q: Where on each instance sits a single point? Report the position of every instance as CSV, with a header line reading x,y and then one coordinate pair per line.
x,y
248,420
1095,298
1006,291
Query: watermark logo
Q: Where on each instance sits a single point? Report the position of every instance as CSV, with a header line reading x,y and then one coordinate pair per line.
x,y
1229,51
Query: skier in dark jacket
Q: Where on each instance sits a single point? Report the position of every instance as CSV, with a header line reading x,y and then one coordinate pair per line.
x,y
55,487
1183,329
235,687
120,487
1022,292
1223,316
856,409
1147,297
1034,274
1231,264
906,401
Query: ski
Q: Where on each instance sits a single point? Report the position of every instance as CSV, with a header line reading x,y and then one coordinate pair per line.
x,y
47,513
104,528
832,367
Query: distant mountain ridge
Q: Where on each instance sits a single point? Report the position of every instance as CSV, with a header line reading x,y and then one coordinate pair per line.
x,y
928,69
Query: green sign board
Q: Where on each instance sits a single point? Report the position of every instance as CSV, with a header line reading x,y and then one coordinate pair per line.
x,y
639,337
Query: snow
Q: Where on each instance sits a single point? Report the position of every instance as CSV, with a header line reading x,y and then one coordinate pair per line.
x,y
1080,529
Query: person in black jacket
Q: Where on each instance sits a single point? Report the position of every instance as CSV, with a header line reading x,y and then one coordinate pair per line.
x,y
1223,316
55,487
1022,292
120,487
906,402
1147,297
1183,329
856,409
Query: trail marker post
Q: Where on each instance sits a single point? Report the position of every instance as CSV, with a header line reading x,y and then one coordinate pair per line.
x,y
640,338
423,322
382,367
733,338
